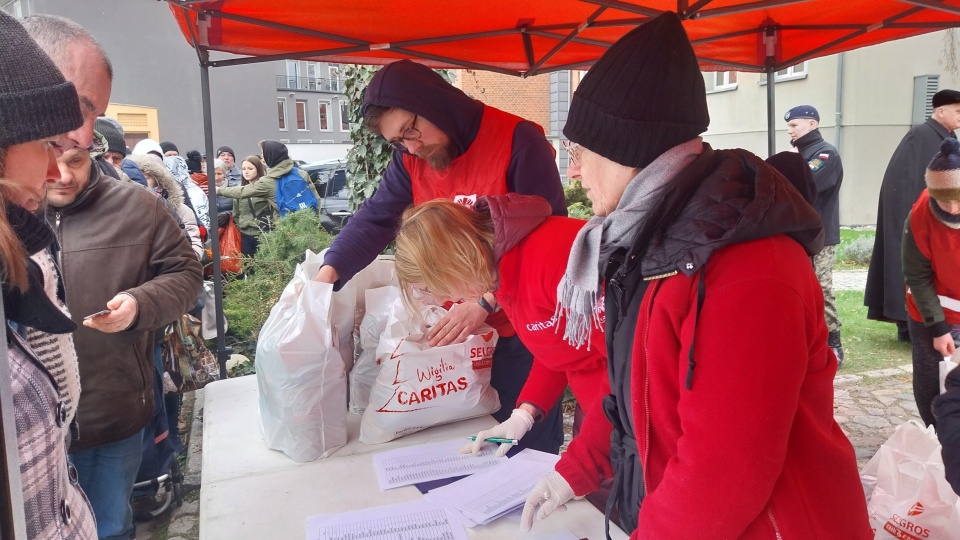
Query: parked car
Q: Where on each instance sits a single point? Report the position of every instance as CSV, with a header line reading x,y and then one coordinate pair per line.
x,y
330,179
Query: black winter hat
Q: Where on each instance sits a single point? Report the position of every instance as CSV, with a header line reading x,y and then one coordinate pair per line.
x,y
194,161
644,96
228,150
167,146
945,97
115,140
35,100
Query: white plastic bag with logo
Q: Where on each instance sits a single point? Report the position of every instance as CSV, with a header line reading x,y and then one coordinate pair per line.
x,y
349,302
908,496
300,370
381,304
420,386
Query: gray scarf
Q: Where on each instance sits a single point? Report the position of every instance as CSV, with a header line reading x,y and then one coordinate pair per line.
x,y
578,290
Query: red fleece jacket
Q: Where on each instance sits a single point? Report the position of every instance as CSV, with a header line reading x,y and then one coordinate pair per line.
x,y
529,274
758,419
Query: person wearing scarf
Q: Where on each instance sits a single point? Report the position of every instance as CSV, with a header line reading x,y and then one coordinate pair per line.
x,y
931,270
721,378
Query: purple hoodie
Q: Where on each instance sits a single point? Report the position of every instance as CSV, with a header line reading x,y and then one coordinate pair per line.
x,y
420,90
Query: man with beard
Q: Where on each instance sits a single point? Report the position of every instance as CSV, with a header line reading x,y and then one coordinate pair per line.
x,y
448,145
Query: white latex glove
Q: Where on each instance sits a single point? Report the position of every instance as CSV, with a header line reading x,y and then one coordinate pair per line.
x,y
515,427
551,494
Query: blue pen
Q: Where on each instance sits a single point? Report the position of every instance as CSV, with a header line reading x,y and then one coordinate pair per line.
x,y
497,440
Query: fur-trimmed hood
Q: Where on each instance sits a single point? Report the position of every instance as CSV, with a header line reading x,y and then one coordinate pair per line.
x,y
149,166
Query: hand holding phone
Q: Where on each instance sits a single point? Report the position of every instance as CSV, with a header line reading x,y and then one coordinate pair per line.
x,y
97,314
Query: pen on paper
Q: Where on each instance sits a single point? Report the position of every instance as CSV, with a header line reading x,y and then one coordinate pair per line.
x,y
498,440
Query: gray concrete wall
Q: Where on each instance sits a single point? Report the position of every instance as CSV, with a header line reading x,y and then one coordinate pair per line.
x,y
154,66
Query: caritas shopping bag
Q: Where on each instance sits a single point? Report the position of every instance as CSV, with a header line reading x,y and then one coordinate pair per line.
x,y
300,370
908,496
420,386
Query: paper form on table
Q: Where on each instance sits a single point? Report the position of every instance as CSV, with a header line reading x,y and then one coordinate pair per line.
x,y
419,519
425,462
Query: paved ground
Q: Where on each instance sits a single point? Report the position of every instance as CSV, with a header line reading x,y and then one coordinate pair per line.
x,y
868,406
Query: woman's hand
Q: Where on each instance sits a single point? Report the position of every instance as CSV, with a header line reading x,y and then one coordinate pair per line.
x,y
461,321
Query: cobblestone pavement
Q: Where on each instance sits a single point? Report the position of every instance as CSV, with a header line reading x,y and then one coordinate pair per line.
x,y
868,406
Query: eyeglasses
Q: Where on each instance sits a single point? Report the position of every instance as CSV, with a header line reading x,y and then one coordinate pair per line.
x,y
409,135
573,151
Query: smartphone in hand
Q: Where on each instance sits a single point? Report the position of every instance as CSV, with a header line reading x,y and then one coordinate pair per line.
x,y
97,314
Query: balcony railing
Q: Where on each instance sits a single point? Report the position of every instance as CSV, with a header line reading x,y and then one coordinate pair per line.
x,y
316,84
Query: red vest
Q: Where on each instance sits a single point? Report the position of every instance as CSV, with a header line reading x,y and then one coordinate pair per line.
x,y
481,170
941,245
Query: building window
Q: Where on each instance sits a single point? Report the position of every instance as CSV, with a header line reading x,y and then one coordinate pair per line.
x,y
323,107
282,113
293,75
344,116
301,115
304,141
720,81
334,71
16,8
798,71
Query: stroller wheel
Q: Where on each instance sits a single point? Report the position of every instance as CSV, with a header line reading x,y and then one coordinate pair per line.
x,y
176,479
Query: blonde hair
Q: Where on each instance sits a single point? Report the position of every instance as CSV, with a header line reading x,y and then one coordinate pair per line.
x,y
13,258
447,247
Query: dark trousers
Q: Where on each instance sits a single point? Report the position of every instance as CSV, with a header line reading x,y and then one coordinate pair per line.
x,y
249,244
511,366
926,368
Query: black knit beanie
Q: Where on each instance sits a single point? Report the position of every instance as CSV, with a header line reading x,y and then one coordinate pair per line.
x,y
35,100
194,161
115,141
167,146
644,96
228,150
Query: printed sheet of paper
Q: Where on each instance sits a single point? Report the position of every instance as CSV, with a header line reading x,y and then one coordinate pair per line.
x,y
421,520
426,462
487,495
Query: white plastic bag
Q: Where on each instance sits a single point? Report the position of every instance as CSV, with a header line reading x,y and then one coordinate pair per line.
x,y
946,366
348,302
419,386
908,496
300,371
380,304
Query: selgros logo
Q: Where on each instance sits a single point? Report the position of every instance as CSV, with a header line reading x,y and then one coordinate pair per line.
x,y
467,200
916,509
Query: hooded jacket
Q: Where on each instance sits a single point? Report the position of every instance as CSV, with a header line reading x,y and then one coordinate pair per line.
x,y
262,194
719,363
118,237
531,248
418,89
172,191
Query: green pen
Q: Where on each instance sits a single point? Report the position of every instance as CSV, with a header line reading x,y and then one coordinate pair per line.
x,y
497,440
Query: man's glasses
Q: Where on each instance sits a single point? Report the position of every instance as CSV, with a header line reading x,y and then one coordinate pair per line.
x,y
573,151
409,135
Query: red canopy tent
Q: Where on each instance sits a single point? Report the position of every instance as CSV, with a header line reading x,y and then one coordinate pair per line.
x,y
530,37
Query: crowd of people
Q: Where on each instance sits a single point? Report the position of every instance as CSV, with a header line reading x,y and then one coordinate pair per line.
x,y
692,316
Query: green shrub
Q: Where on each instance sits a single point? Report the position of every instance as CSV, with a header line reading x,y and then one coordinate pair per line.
x,y
247,300
857,252
578,205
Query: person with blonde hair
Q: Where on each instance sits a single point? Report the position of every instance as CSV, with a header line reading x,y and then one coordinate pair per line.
x,y
511,245
38,108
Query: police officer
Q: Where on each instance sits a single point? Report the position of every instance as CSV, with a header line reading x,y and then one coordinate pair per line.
x,y
803,123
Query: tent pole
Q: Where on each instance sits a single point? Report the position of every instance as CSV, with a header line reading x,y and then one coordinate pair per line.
x,y
213,232
13,524
771,127
770,48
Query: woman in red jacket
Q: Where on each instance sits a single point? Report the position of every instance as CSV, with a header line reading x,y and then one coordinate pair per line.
x,y
512,246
